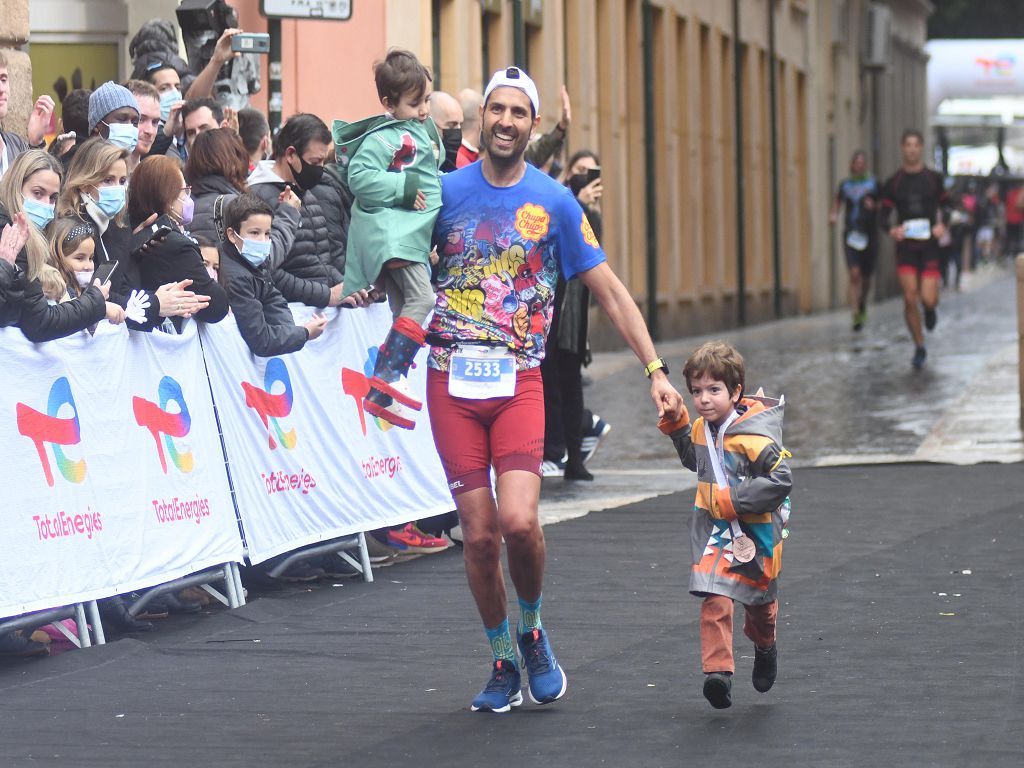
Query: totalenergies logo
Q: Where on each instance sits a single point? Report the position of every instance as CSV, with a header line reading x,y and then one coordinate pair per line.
x,y
165,426
42,428
999,66
356,384
271,407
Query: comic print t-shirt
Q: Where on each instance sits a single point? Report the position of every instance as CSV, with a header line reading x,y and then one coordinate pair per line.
x,y
501,250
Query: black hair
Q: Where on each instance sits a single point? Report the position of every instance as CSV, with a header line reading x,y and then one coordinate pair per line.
x,y
252,127
300,129
400,72
74,112
196,104
911,132
242,207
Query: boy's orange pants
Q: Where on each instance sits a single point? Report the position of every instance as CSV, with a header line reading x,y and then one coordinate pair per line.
x,y
716,614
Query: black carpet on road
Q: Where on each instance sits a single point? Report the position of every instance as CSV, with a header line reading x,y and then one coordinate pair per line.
x,y
900,644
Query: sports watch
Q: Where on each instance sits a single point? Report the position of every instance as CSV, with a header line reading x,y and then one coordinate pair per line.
x,y
654,365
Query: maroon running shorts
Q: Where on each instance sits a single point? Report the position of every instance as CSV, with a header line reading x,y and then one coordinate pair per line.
x,y
471,435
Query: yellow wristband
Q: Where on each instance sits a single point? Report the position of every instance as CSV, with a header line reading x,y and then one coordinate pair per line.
x,y
654,365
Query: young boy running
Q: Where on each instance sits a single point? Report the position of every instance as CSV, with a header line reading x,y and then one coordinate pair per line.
x,y
743,482
392,164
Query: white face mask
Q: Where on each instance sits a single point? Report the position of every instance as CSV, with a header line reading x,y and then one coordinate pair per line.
x,y
84,278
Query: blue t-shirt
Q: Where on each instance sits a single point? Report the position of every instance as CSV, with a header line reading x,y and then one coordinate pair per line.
x,y
501,252
852,192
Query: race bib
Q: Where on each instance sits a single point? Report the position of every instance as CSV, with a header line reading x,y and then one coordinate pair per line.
x,y
857,240
480,373
917,229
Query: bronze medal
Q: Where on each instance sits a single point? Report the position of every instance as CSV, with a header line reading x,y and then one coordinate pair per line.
x,y
743,549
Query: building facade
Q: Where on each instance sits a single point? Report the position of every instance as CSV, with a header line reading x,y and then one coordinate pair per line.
x,y
716,195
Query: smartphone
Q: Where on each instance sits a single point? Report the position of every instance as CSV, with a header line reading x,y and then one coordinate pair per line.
x,y
593,174
251,42
105,271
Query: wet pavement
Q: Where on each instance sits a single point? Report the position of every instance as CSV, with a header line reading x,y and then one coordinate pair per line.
x,y
851,398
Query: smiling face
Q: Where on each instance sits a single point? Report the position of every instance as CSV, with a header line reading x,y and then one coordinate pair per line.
x,y
712,398
507,122
80,259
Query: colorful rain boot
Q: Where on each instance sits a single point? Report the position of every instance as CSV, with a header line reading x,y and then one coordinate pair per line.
x,y
393,363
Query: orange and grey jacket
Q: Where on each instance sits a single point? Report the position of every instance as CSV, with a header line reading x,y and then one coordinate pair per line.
x,y
759,482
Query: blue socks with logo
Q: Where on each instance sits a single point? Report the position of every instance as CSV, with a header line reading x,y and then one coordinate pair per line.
x,y
531,614
500,640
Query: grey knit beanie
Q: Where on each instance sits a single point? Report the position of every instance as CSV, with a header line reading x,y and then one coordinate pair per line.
x,y
108,98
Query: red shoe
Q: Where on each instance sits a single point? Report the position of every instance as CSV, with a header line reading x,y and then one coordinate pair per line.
x,y
409,538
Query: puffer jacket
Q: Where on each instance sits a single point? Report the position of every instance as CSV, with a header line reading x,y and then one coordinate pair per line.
x,y
42,321
336,200
12,293
304,274
205,193
261,312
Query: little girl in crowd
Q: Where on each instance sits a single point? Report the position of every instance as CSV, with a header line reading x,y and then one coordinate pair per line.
x,y
70,273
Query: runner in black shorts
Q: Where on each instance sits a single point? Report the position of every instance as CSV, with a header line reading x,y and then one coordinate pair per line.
x,y
918,196
505,234
859,195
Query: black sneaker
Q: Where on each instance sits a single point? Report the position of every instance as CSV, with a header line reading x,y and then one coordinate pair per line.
x,y
574,470
930,318
919,357
766,667
16,645
718,689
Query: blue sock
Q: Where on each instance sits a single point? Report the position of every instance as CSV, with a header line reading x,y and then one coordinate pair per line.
x,y
500,640
531,614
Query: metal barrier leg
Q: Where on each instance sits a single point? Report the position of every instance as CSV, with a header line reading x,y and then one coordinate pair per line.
x,y
236,573
230,586
364,558
83,625
97,623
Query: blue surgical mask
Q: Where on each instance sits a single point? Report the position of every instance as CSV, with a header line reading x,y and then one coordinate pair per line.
x,y
167,100
111,200
124,135
255,251
41,214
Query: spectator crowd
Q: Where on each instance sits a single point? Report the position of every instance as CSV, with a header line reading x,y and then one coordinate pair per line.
x,y
153,205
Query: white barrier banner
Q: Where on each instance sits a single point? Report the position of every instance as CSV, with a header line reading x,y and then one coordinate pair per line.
x,y
113,474
306,462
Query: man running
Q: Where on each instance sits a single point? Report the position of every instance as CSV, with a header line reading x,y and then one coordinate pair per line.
x,y
859,195
505,233
917,193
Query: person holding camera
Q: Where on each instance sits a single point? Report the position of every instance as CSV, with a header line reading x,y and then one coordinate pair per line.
x,y
158,187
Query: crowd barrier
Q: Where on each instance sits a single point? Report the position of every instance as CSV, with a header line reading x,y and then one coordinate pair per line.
x,y
121,473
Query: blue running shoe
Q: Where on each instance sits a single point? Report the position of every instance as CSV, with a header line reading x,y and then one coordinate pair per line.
x,y
502,691
547,678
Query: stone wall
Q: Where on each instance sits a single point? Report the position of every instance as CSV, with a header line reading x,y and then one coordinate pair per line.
x,y
13,35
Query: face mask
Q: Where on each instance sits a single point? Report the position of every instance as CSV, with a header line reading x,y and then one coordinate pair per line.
x,y
188,208
84,279
40,213
309,175
111,200
255,251
167,100
211,272
123,135
451,140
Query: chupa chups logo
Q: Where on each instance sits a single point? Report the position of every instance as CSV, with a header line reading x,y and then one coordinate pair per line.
x,y
160,423
532,222
270,407
42,428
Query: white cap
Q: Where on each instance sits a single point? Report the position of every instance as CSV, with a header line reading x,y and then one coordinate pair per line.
x,y
514,77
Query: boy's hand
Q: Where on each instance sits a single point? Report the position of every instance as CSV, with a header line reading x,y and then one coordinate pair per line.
x,y
315,327
288,197
421,201
668,426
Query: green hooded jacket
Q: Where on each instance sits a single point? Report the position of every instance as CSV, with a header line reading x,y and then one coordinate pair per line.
x,y
385,162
